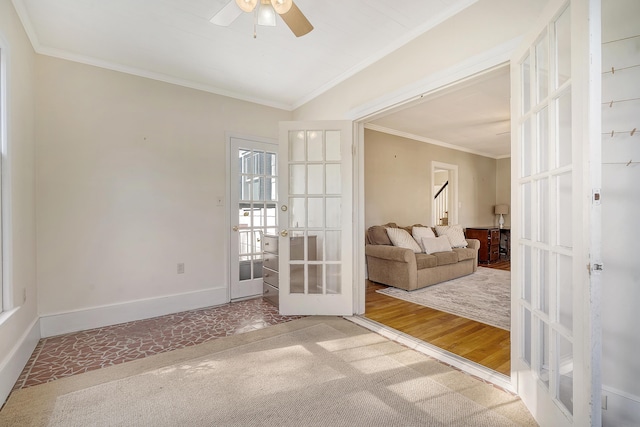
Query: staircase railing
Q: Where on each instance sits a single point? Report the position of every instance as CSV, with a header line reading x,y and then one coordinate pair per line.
x,y
441,203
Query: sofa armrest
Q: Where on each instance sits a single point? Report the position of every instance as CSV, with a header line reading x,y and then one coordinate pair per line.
x,y
391,265
473,244
391,253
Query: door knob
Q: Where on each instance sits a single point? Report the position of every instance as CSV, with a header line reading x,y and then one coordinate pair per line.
x,y
284,233
235,228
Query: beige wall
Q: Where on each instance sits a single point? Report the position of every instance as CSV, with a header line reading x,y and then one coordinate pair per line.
x,y
503,187
398,184
479,28
20,261
128,172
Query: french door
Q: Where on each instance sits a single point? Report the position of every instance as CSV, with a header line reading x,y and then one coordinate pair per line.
x,y
556,346
315,229
253,212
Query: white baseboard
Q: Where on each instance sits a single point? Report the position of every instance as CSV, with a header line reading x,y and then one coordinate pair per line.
x,y
12,366
97,317
623,409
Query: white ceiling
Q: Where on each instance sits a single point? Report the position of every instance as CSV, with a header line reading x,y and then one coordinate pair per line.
x,y
173,41
473,115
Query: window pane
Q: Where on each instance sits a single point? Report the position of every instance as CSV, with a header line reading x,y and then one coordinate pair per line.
x,y
527,268
564,220
526,336
563,138
544,353
543,140
316,179
543,296
526,148
542,68
334,279
564,283
297,212
333,145
563,47
297,178
315,279
333,245
314,145
296,246
526,211
296,279
526,84
334,212
296,146
316,212
334,179
271,164
565,368
543,210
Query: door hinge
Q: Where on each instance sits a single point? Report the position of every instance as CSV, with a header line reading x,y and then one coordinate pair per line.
x,y
596,196
597,267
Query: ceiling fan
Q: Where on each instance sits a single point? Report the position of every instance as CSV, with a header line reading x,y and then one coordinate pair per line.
x,y
265,14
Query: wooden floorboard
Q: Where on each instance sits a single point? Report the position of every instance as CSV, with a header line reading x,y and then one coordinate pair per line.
x,y
487,345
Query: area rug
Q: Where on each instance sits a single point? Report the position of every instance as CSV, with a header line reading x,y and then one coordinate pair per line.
x,y
484,296
316,371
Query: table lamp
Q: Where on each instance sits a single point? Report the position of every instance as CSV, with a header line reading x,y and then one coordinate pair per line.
x,y
501,210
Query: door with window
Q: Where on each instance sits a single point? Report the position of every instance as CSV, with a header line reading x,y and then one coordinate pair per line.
x,y
253,198
555,356
316,230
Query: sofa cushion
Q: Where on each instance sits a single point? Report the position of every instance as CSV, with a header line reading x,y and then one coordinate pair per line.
x,y
465,253
446,258
426,261
399,237
454,233
377,235
418,232
436,244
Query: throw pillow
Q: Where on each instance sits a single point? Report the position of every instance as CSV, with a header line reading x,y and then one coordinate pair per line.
x,y
402,239
454,233
436,244
419,232
377,235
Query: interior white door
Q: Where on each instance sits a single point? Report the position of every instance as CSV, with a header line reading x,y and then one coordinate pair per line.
x,y
316,242
556,347
253,211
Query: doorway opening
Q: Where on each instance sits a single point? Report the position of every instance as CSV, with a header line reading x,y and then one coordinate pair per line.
x,y
475,347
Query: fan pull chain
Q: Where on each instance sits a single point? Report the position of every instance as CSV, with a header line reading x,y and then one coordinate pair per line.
x,y
255,24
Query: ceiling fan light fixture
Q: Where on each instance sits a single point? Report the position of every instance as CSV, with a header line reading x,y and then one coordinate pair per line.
x,y
266,15
247,5
282,6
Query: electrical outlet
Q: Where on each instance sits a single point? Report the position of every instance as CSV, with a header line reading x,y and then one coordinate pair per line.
x,y
219,201
181,268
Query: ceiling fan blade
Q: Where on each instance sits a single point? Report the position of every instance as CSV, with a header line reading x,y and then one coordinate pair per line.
x,y
227,14
296,21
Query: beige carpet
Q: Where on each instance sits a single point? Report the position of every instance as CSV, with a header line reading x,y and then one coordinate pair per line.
x,y
484,296
316,371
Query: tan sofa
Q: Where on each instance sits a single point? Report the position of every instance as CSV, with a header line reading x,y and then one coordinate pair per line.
x,y
404,269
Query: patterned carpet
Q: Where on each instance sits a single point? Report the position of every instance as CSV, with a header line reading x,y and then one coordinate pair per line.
x,y
484,296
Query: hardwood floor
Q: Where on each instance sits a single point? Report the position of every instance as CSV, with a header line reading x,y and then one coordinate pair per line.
x,y
480,343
